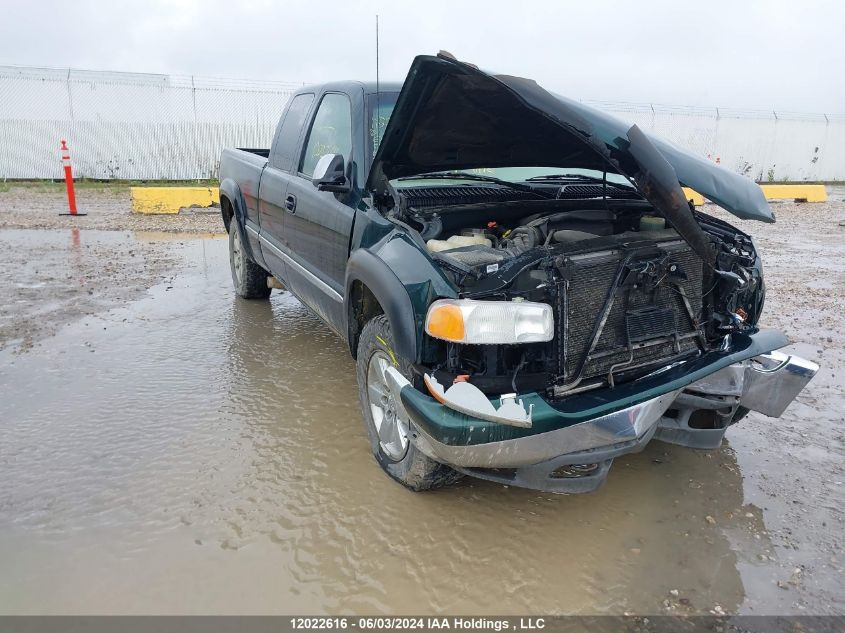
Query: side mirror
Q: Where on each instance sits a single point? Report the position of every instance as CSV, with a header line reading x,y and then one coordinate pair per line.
x,y
330,174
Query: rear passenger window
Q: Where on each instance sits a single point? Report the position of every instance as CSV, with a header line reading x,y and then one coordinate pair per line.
x,y
331,132
288,134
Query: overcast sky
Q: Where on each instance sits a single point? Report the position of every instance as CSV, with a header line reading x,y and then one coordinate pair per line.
x,y
747,54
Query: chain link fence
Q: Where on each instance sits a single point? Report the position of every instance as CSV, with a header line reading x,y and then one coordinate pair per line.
x,y
766,146
172,127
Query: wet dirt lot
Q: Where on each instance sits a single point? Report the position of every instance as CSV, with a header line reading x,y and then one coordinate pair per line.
x,y
168,448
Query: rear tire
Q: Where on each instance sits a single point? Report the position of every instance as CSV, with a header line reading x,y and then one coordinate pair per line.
x,y
249,279
389,440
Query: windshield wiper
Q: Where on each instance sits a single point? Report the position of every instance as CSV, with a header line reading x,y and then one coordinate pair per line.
x,y
561,177
461,175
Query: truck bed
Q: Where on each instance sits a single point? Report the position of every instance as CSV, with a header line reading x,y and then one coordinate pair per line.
x,y
257,151
244,166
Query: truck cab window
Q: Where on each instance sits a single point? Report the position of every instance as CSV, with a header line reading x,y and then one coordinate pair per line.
x,y
284,147
331,132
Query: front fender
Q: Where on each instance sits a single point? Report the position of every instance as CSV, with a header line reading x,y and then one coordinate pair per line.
x,y
366,267
404,281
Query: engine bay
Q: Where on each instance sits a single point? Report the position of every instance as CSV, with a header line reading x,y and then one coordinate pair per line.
x,y
629,294
492,244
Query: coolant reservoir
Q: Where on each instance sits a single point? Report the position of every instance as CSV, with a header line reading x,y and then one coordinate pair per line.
x,y
435,246
652,223
457,241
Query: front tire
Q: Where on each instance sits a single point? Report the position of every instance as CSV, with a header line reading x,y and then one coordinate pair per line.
x,y
249,279
387,430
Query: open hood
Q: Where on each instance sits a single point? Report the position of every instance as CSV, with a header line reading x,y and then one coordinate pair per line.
x,y
452,116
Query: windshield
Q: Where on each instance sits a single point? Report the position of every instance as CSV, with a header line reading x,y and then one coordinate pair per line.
x,y
380,107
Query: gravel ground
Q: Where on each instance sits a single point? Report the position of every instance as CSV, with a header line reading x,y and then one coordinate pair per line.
x,y
108,209
55,269
61,268
792,470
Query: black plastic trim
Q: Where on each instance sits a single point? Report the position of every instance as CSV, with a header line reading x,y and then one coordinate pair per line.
x,y
230,190
371,271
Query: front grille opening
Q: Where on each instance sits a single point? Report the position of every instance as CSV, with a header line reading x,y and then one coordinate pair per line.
x,y
672,413
650,320
574,471
704,419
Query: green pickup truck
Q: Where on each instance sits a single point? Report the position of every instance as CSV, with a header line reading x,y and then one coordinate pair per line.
x,y
525,288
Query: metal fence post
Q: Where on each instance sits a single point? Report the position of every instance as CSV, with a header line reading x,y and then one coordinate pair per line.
x,y
69,95
195,135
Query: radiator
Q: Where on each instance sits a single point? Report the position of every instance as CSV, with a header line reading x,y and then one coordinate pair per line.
x,y
646,325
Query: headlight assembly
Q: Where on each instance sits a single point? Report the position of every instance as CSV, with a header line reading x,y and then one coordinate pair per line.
x,y
490,322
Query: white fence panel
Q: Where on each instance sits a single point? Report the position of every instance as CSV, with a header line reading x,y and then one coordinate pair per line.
x,y
129,125
151,127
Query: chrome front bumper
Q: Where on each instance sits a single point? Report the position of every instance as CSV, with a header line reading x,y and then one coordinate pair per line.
x,y
577,458
703,411
773,380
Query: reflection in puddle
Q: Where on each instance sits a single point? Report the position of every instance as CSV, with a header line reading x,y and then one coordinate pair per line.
x,y
209,456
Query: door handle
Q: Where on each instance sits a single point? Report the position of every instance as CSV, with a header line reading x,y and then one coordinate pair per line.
x,y
290,203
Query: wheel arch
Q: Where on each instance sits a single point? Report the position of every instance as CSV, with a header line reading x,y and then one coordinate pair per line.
x,y
372,288
233,207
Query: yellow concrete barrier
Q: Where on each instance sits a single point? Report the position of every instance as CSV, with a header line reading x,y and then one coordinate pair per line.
x,y
171,199
697,198
799,193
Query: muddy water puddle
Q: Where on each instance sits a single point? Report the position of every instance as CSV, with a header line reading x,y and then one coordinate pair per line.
x,y
50,278
191,452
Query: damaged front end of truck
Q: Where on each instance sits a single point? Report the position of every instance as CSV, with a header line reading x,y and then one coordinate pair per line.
x,y
593,309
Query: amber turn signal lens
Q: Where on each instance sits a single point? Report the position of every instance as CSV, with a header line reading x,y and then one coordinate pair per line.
x,y
446,322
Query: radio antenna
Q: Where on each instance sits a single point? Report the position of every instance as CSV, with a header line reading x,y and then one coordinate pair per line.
x,y
378,96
